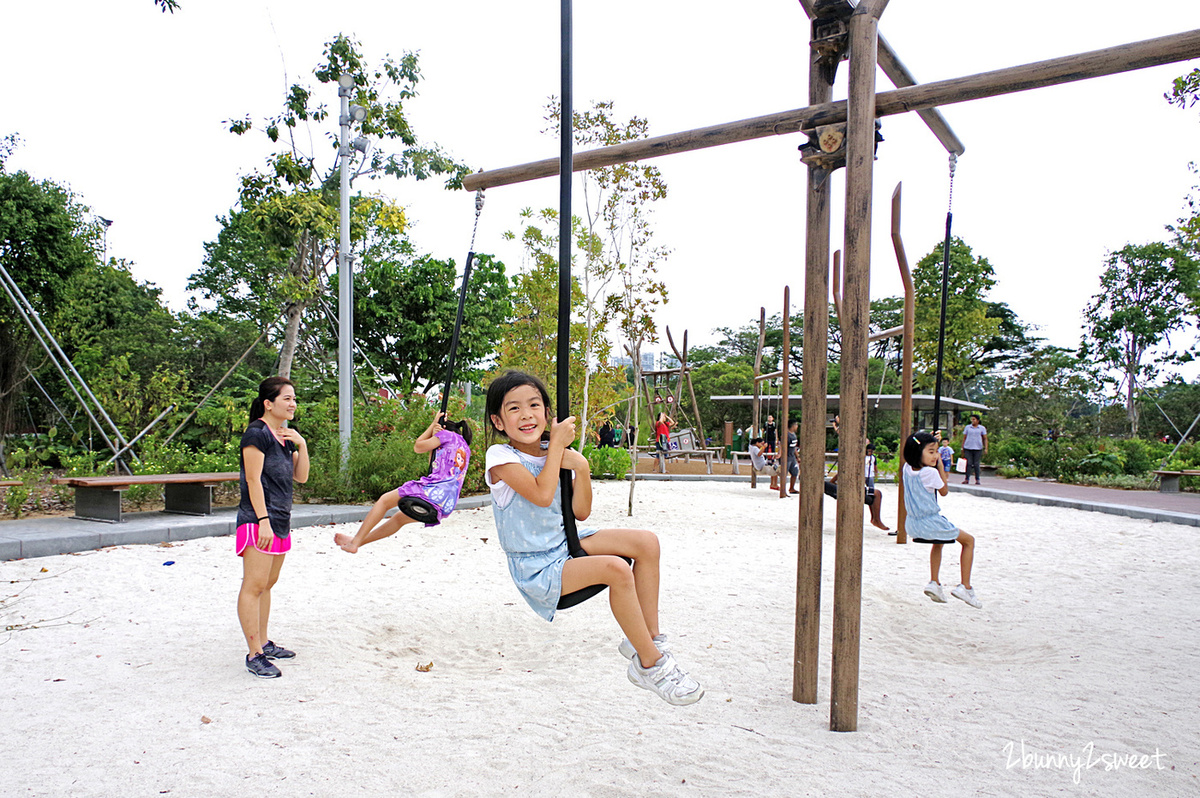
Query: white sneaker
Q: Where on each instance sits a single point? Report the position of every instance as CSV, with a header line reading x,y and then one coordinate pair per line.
x,y
667,680
629,652
967,594
934,591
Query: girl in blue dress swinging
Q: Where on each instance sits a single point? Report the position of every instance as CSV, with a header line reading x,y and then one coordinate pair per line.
x,y
924,478
523,475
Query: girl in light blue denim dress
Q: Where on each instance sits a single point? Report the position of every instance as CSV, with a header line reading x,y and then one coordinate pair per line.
x,y
924,477
523,475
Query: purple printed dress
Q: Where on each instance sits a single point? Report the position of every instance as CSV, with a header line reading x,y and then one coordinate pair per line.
x,y
444,482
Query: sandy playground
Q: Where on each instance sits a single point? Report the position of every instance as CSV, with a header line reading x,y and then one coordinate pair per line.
x,y
1078,676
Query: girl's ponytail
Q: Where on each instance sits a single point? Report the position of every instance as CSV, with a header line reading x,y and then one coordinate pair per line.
x,y
461,428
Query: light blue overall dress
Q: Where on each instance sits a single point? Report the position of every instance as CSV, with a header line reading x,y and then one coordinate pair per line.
x,y
924,522
535,542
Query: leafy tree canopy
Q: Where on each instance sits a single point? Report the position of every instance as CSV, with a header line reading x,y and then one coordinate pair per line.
x,y
969,328
106,314
404,318
1147,291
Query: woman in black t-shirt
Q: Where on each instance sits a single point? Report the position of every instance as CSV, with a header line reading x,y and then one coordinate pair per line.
x,y
272,456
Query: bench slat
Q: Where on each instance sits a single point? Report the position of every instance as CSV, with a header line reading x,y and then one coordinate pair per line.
x,y
146,479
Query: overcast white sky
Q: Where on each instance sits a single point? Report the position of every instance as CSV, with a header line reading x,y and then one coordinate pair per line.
x,y
127,105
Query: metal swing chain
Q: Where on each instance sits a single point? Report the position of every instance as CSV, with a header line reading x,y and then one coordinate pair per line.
x,y
478,211
950,199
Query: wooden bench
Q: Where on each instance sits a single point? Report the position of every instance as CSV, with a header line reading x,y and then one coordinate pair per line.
x,y
10,483
670,454
1168,481
99,498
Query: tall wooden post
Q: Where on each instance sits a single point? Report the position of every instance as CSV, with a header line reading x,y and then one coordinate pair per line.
x,y
906,370
855,324
783,395
812,401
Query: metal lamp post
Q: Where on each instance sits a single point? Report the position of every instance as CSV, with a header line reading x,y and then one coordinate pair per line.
x,y
349,113
107,224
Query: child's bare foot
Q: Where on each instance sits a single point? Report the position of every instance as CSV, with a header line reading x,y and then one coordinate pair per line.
x,y
346,543
879,525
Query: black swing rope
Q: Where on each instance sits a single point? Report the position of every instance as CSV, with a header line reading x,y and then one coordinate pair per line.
x,y
937,390
563,354
413,506
462,300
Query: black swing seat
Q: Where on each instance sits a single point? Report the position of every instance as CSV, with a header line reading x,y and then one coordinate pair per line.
x,y
419,510
831,490
581,595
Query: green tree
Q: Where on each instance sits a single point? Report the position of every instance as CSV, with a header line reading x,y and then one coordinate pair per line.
x,y
240,271
528,343
1047,391
969,328
617,235
292,204
1185,93
404,318
1147,292
106,313
44,240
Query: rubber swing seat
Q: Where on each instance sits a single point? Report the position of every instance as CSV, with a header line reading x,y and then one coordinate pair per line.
x,y
419,510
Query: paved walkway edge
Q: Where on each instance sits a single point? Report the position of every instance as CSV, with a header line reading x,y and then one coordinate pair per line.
x,y
43,537
1150,514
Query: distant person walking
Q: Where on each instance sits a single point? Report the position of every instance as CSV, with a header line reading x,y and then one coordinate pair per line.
x,y
974,447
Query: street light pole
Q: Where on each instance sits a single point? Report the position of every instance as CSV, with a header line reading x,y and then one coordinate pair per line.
x,y
345,281
107,224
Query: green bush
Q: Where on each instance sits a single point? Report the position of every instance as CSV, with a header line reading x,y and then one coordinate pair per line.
x,y
14,499
888,468
1101,463
1141,456
1123,481
42,450
607,463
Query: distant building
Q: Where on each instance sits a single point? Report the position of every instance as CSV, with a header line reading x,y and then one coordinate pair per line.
x,y
648,359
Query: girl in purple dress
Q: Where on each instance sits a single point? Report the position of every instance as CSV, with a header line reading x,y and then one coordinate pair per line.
x,y
428,499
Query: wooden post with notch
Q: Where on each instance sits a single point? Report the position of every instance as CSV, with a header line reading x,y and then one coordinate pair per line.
x,y
906,370
855,326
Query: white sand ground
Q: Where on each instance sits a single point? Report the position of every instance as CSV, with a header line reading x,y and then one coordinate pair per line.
x,y
1085,651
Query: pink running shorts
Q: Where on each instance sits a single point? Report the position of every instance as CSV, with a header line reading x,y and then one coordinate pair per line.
x,y
247,534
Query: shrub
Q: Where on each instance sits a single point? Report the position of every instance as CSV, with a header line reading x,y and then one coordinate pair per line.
x,y
1098,463
607,463
1123,481
1141,456
14,499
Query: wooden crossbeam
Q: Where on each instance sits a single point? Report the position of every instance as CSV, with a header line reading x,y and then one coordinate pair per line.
x,y
1067,69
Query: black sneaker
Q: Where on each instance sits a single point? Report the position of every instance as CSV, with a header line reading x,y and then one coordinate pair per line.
x,y
262,667
273,651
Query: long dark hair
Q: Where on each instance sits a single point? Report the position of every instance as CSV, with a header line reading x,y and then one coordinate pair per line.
x,y
268,391
914,446
500,388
